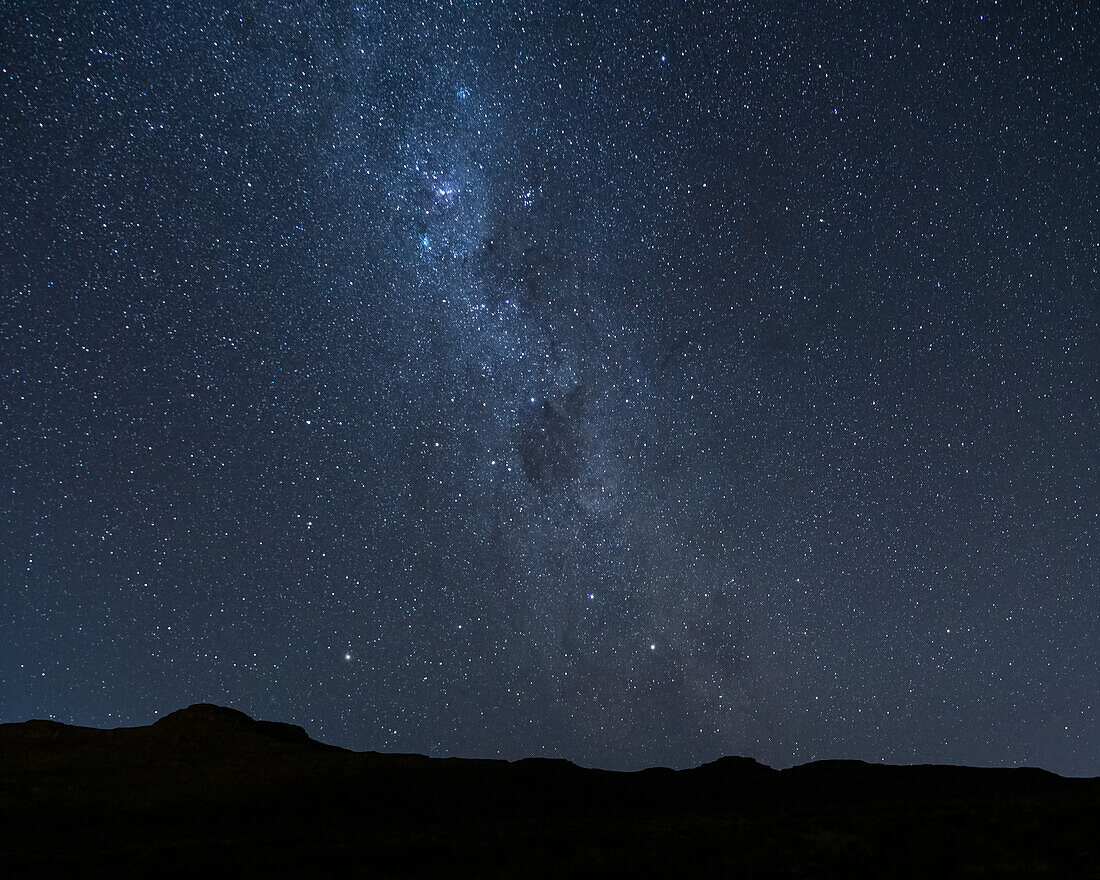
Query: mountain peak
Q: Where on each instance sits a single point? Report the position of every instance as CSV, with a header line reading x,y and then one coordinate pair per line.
x,y
205,715
206,719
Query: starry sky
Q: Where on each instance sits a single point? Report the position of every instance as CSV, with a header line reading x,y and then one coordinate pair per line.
x,y
632,385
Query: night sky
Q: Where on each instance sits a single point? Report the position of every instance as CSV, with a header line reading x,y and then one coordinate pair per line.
x,y
634,386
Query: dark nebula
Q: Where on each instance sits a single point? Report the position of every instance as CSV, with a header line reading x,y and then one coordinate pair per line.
x,y
552,444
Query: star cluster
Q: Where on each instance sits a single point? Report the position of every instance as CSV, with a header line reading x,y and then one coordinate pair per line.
x,y
634,385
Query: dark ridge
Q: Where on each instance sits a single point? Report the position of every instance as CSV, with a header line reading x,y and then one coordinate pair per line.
x,y
205,715
40,729
208,782
206,719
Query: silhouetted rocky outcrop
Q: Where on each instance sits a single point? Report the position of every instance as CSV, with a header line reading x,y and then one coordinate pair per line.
x,y
204,720
210,783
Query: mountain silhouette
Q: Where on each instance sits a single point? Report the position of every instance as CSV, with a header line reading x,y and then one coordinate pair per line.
x,y
209,785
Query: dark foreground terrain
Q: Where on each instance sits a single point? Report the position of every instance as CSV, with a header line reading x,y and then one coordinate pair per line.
x,y
209,792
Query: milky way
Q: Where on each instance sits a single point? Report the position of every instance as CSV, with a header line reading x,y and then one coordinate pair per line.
x,y
634,386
